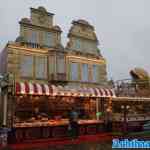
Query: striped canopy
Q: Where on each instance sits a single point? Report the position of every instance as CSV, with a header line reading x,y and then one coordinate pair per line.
x,y
53,90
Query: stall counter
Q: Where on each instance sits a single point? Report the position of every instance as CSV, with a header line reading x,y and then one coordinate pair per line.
x,y
52,129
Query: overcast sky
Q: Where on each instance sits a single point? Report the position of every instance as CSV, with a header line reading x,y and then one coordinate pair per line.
x,y
122,27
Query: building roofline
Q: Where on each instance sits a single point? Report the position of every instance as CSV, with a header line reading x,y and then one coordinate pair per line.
x,y
38,10
46,28
78,22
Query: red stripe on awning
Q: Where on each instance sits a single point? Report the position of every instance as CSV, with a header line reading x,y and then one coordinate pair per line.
x,y
32,88
106,93
18,87
43,89
35,88
100,92
26,87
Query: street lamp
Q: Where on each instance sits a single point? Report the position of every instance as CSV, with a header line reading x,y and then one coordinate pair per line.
x,y
3,85
1,78
125,109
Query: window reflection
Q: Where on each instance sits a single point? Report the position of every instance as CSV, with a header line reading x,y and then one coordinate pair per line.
x,y
84,72
74,71
48,39
95,73
41,67
26,66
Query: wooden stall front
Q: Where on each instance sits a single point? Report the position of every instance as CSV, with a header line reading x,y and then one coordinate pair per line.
x,y
42,111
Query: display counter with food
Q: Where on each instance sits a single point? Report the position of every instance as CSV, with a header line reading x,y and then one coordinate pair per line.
x,y
53,128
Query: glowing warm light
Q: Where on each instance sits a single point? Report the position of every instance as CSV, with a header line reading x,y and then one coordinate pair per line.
x,y
108,110
36,97
20,96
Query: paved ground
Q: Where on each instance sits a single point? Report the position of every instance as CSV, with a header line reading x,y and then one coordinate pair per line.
x,y
92,142
82,146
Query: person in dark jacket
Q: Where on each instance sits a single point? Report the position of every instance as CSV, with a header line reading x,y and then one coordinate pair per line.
x,y
73,123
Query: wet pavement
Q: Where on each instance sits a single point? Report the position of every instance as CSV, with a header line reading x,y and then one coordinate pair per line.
x,y
85,146
81,146
101,141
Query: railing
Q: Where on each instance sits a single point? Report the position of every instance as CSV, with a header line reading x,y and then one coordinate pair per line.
x,y
131,88
131,117
32,45
58,77
36,45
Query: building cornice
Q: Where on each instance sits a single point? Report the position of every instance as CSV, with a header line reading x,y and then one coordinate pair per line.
x,y
70,34
82,23
102,60
18,47
52,29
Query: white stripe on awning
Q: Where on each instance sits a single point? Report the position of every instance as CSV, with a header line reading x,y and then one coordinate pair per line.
x,y
47,90
39,89
22,86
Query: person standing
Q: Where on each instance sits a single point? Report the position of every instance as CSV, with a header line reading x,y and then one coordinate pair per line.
x,y
108,120
4,135
73,123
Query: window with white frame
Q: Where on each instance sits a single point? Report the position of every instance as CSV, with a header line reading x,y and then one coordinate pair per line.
x,y
26,66
41,67
74,71
85,72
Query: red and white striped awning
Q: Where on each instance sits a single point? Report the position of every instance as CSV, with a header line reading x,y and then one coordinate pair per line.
x,y
96,92
52,90
33,88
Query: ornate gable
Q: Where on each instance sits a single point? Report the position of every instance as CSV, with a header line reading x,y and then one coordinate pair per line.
x,y
82,38
39,31
41,17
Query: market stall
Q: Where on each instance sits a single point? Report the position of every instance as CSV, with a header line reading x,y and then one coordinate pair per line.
x,y
41,110
133,112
